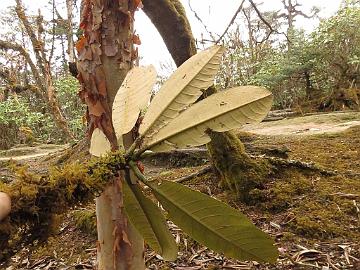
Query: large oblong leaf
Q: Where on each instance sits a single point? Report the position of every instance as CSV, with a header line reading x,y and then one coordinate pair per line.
x,y
220,112
182,89
147,218
132,97
214,224
99,144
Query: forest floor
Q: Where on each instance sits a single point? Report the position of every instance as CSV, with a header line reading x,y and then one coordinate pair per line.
x,y
310,204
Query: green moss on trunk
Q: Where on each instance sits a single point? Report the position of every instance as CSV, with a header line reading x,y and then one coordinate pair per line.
x,y
238,171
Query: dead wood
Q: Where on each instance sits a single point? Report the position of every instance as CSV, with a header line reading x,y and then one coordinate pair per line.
x,y
198,173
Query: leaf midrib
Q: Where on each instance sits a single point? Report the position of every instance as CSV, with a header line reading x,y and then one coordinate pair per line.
x,y
202,122
206,227
150,127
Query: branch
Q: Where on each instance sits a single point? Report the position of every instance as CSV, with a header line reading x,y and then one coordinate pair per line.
x,y
53,32
5,45
36,44
231,22
198,173
5,75
170,20
200,20
272,30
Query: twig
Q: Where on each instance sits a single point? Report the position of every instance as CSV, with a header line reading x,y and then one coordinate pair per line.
x,y
137,172
330,262
53,33
200,20
300,263
299,164
134,145
231,22
272,30
345,195
195,174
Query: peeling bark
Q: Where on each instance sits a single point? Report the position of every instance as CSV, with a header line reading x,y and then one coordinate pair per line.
x,y
105,55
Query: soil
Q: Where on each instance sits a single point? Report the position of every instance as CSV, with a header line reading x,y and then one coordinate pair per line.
x,y
23,152
307,125
314,216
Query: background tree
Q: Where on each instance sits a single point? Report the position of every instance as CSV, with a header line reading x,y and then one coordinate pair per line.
x,y
41,69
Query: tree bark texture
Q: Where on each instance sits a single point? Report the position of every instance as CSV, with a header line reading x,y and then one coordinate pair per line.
x,y
70,38
105,55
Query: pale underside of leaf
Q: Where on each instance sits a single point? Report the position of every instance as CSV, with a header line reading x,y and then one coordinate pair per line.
x,y
99,144
220,112
132,97
214,224
147,218
182,89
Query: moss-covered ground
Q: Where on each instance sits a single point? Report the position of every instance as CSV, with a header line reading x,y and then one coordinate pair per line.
x,y
314,217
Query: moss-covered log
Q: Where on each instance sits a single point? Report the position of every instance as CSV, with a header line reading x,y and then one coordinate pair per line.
x,y
36,199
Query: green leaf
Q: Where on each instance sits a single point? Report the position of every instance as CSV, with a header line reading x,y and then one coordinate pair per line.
x,y
147,218
213,223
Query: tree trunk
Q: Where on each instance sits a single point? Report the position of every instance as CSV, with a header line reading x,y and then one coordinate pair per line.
x,y
105,56
308,85
70,39
238,171
41,71
172,20
53,105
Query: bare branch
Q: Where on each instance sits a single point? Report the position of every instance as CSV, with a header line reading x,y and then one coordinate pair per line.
x,y
231,22
36,44
201,21
5,45
53,33
272,30
15,87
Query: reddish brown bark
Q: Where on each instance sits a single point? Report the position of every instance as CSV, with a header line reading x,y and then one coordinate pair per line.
x,y
105,55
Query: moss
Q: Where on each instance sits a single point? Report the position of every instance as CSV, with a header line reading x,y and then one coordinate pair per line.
x,y
238,171
86,221
26,136
37,199
321,220
312,201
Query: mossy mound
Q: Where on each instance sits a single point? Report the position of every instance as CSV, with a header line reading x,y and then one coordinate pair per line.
x,y
85,220
37,199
